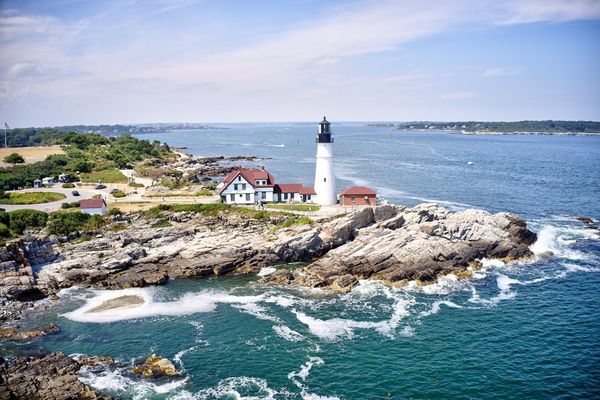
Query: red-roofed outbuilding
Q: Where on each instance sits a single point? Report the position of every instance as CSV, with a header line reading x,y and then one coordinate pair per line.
x,y
358,196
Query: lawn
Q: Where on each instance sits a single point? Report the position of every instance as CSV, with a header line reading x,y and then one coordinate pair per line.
x,y
106,176
295,207
31,154
31,197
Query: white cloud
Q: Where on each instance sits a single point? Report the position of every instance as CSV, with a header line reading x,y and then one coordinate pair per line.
x,y
68,59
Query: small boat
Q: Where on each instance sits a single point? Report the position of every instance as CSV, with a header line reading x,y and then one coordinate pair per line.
x,y
470,162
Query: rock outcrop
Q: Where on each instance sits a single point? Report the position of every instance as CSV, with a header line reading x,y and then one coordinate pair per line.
x,y
12,333
155,366
390,243
48,377
419,244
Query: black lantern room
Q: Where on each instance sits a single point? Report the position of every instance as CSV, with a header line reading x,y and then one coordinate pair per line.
x,y
324,132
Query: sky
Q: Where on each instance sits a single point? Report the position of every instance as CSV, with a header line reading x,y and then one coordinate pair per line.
x,y
66,62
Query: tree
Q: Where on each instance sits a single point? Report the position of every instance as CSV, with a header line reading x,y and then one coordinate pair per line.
x,y
14,158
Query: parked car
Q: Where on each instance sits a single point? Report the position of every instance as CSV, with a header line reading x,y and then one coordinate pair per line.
x,y
75,193
98,187
113,191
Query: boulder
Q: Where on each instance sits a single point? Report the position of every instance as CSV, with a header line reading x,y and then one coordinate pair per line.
x,y
155,366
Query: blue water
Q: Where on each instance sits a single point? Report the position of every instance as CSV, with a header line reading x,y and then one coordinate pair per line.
x,y
528,331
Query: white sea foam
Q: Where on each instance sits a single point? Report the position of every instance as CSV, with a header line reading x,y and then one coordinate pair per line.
x,y
335,328
288,333
189,303
266,271
118,381
303,374
253,389
256,311
558,241
504,284
435,308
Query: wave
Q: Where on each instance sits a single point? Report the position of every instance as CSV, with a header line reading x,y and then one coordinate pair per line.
x,y
266,271
189,303
120,381
288,334
558,241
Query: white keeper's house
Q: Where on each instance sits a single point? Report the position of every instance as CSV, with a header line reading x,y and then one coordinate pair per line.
x,y
252,185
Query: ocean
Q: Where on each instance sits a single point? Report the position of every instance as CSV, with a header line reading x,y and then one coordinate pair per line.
x,y
524,331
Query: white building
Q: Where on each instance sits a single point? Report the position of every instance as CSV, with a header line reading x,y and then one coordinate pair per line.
x,y
324,177
257,185
93,206
48,181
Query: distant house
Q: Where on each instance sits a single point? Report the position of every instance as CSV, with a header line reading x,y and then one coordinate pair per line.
x,y
37,183
93,206
48,181
358,196
254,185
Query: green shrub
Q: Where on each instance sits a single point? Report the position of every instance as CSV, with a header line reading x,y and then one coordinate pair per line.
x,y
74,204
14,158
68,186
63,222
119,194
135,185
4,218
4,231
113,212
210,185
25,219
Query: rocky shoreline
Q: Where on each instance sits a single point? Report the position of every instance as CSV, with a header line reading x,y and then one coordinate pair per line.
x,y
389,243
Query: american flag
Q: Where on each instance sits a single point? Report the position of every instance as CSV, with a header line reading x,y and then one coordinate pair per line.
x,y
6,126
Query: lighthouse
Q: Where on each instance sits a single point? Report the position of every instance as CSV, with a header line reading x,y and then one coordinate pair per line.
x,y
324,177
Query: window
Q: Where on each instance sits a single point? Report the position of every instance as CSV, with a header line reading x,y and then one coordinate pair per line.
x,y
235,186
308,197
285,196
247,196
324,179
243,186
353,198
263,195
232,197
239,178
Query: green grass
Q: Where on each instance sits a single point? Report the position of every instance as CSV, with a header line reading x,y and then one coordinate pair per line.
x,y
161,223
295,207
292,222
106,176
31,198
68,186
204,192
135,185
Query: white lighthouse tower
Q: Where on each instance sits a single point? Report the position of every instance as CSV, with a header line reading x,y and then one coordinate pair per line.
x,y
324,177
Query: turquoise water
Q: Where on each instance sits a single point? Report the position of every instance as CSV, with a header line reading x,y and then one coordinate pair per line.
x,y
528,331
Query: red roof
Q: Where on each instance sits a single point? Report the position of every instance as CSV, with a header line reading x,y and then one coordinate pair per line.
x,y
250,175
293,188
307,190
92,203
287,188
359,191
